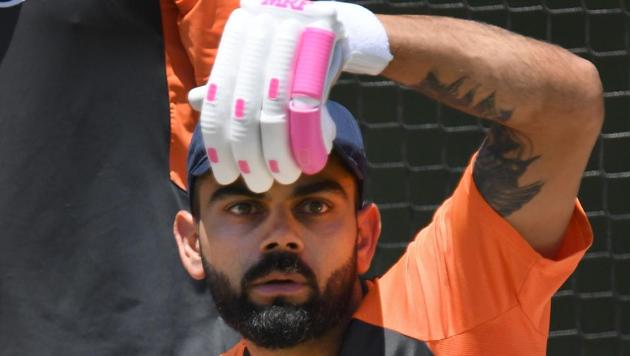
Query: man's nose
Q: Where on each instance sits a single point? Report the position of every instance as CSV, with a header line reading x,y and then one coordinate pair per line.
x,y
282,236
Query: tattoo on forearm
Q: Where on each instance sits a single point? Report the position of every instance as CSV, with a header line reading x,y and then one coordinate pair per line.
x,y
503,158
449,93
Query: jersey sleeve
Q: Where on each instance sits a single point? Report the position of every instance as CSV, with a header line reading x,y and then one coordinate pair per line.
x,y
236,350
469,284
191,31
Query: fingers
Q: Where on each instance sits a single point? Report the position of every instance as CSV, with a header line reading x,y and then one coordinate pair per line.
x,y
274,120
217,106
312,63
245,124
252,124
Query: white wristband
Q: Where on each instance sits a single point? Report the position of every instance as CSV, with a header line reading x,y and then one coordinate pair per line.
x,y
367,43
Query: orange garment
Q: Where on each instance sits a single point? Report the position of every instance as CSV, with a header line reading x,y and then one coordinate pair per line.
x,y
192,30
469,284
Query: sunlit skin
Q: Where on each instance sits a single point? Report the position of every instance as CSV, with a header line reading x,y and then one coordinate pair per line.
x,y
315,217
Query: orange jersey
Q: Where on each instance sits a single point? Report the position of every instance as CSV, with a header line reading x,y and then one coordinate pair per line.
x,y
468,284
192,30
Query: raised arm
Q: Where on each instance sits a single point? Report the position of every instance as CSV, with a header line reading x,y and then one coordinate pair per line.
x,y
546,105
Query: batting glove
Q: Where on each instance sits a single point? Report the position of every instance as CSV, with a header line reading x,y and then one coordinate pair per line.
x,y
263,112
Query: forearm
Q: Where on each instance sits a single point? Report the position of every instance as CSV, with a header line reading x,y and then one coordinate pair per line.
x,y
547,102
489,72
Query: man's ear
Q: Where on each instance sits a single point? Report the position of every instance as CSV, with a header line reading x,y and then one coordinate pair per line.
x,y
369,231
187,240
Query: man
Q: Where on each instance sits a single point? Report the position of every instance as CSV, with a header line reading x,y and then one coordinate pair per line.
x,y
283,263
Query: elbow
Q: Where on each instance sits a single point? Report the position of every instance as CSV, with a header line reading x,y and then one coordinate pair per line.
x,y
578,104
587,107
593,93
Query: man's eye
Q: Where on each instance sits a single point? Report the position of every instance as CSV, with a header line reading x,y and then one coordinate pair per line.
x,y
313,207
244,209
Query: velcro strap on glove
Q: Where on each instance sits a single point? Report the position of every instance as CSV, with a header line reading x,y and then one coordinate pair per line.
x,y
368,46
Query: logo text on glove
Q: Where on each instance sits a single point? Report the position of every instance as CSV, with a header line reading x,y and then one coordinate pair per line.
x,y
293,4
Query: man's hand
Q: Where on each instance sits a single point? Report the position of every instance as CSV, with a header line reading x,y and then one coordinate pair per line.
x,y
263,114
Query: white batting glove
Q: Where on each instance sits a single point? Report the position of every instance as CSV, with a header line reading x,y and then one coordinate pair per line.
x,y
263,113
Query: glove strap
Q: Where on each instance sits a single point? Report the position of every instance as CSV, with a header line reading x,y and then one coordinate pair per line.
x,y
368,45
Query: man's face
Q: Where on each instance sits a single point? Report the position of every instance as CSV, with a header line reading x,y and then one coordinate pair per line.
x,y
281,265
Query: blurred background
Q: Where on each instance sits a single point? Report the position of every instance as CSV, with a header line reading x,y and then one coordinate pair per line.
x,y
418,149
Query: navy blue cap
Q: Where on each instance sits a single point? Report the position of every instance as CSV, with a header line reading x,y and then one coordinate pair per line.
x,y
348,146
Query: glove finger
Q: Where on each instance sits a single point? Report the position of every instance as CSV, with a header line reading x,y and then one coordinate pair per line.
x,y
274,120
245,124
307,95
216,108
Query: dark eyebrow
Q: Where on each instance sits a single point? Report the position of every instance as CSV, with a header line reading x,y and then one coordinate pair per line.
x,y
319,186
306,189
234,190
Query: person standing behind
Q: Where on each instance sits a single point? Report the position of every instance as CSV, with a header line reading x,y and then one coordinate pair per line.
x,y
94,130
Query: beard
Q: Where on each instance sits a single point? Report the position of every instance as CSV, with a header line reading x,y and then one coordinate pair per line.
x,y
283,324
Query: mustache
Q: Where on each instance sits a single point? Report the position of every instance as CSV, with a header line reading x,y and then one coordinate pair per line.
x,y
284,262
